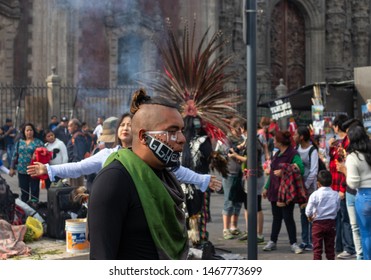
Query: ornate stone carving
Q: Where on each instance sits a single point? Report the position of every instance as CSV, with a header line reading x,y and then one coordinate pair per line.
x,y
317,3
335,37
10,8
360,31
261,32
8,27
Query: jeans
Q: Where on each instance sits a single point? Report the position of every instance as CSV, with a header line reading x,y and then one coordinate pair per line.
x,y
30,188
306,228
283,213
350,201
363,212
9,153
344,236
230,208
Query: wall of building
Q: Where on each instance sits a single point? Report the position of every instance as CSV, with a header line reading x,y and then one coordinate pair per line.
x,y
82,38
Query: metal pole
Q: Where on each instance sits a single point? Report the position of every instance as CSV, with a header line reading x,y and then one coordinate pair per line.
x,y
250,21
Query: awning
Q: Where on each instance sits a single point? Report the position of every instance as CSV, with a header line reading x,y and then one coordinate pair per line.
x,y
301,98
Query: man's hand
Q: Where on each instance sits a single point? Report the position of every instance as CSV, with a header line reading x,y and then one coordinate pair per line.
x,y
11,172
215,184
36,169
264,193
331,141
311,218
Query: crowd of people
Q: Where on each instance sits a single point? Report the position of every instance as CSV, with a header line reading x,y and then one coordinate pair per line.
x,y
155,146
65,140
328,212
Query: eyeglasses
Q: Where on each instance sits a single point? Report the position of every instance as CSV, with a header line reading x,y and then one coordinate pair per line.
x,y
172,135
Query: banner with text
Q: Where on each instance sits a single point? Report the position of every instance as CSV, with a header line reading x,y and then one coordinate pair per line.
x,y
280,108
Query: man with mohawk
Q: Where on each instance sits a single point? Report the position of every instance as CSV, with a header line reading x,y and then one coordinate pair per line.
x,y
194,76
136,204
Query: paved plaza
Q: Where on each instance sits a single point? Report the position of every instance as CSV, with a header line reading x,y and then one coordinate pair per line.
x,y
233,248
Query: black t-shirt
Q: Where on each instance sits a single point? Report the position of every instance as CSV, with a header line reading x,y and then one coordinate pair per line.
x,y
117,225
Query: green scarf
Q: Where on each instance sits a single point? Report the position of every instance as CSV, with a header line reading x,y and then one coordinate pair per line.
x,y
163,215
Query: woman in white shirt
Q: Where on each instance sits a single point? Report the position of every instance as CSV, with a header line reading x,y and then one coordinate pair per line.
x,y
358,166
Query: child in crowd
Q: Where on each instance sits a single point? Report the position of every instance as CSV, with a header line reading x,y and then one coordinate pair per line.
x,y
323,205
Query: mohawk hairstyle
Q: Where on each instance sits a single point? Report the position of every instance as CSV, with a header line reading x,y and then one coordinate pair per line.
x,y
140,97
195,78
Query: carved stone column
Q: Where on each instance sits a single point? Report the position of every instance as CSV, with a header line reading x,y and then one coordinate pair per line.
x,y
360,32
53,83
9,19
335,38
262,61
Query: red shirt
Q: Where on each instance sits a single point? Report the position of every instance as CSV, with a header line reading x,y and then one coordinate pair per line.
x,y
338,154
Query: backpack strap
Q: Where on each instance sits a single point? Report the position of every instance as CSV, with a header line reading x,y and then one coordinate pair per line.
x,y
310,154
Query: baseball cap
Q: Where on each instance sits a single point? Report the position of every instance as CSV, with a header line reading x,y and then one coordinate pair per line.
x,y
109,130
64,119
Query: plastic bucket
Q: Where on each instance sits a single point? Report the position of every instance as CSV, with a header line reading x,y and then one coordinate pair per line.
x,y
76,241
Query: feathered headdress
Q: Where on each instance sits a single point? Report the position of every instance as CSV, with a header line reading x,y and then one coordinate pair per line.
x,y
195,77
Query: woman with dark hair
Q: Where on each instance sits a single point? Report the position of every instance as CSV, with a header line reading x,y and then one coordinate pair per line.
x,y
24,149
233,182
92,164
123,135
285,163
358,166
344,237
309,155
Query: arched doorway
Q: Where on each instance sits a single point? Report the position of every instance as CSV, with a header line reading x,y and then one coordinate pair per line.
x,y
287,45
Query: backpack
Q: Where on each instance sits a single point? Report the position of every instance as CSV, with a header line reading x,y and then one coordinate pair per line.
x,y
7,202
321,164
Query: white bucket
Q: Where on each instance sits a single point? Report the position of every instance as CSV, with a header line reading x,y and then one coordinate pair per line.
x,y
76,239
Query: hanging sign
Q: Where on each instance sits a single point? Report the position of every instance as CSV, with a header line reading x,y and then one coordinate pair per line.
x,y
280,108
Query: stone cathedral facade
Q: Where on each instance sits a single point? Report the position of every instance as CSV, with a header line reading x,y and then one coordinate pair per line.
x,y
103,43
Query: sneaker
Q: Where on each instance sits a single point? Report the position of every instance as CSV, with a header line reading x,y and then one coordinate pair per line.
x,y
260,240
227,234
295,248
303,245
235,231
243,236
345,255
308,247
270,246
